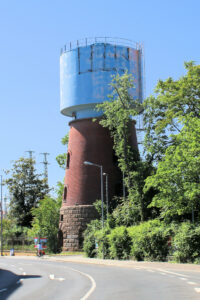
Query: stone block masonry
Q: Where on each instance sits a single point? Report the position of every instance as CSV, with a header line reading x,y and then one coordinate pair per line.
x,y
73,222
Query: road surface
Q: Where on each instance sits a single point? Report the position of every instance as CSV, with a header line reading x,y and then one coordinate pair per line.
x,y
38,278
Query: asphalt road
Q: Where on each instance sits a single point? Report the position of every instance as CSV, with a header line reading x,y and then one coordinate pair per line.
x,y
27,279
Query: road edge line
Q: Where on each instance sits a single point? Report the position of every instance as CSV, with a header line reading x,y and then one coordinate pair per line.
x,y
91,290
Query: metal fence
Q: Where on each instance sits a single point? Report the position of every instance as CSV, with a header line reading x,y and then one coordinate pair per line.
x,y
20,244
106,40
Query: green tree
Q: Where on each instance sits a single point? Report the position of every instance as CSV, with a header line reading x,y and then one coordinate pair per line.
x,y
61,158
171,119
117,117
118,114
26,189
163,113
11,230
177,178
46,222
59,192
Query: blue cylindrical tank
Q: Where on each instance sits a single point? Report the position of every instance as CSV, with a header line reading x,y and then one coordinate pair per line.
x,y
86,70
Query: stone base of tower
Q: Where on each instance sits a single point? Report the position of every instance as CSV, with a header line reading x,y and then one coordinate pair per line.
x,y
73,222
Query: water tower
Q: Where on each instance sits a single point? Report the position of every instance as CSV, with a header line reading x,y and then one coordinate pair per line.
x,y
86,68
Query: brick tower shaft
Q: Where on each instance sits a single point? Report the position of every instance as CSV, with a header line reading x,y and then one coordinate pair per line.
x,y
88,141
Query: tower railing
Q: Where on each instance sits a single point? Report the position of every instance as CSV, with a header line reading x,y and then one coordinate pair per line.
x,y
98,40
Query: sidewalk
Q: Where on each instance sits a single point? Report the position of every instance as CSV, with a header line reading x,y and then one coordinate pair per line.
x,y
125,263
116,263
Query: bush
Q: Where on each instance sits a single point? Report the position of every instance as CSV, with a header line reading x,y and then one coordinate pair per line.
x,y
186,243
119,243
149,241
126,214
102,240
89,244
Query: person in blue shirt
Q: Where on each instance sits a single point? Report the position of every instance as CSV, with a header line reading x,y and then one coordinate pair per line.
x,y
39,249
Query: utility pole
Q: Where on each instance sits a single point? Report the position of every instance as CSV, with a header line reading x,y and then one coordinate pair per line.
x,y
45,163
5,205
30,154
1,215
88,163
105,174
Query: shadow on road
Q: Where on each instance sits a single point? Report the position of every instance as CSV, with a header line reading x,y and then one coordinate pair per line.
x,y
10,282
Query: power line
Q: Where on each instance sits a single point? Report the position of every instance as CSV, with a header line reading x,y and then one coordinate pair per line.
x,y
45,163
30,154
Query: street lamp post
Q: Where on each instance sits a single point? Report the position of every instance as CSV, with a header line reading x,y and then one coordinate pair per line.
x,y
101,170
105,174
1,216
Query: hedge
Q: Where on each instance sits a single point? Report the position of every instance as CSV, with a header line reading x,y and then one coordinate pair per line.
x,y
152,240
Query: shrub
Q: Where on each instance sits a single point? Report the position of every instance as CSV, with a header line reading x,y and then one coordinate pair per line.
x,y
186,243
126,214
149,241
89,244
102,240
120,243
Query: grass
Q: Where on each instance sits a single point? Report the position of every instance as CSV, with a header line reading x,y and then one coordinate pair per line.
x,y
67,253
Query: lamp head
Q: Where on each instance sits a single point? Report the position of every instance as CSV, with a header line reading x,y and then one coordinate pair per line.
x,y
88,163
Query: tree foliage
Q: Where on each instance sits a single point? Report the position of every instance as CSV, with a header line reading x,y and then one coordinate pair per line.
x,y
11,230
163,113
46,222
165,184
61,158
172,139
118,114
177,178
26,189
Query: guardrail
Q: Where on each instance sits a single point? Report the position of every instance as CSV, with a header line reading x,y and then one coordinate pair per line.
x,y
97,40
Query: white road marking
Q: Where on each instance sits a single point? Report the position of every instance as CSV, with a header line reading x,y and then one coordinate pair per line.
x,y
24,273
162,273
91,290
169,272
52,277
21,269
61,279
191,282
3,290
151,271
13,266
182,278
197,290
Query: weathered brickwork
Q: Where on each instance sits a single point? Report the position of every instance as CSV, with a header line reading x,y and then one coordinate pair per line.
x,y
88,141
74,222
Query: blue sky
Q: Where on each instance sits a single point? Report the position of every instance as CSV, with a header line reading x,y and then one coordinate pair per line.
x,y
32,33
